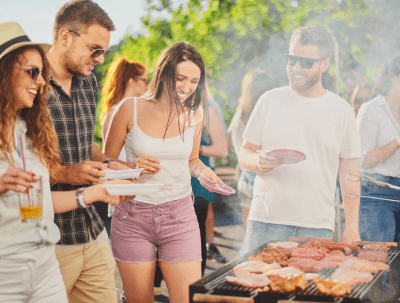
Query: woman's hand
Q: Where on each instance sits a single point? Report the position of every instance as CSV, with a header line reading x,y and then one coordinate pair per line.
x,y
14,178
150,164
210,174
99,193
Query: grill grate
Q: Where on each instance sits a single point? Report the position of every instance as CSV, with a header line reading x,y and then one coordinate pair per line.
x,y
216,284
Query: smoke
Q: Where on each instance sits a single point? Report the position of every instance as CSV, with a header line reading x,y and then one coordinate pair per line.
x,y
371,40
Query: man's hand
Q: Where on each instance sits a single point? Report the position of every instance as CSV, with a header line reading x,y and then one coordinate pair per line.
x,y
350,236
87,172
267,163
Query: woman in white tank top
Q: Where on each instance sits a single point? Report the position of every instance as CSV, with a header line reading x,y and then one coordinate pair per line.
x,y
125,78
161,132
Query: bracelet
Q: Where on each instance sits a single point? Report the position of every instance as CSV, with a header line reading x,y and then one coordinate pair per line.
x,y
79,198
398,140
107,161
198,173
194,168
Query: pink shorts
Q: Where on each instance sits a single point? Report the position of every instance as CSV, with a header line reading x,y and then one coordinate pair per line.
x,y
138,228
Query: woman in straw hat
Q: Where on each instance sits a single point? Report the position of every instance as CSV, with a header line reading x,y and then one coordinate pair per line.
x,y
29,271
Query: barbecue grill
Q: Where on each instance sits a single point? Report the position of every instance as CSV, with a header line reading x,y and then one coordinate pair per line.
x,y
385,286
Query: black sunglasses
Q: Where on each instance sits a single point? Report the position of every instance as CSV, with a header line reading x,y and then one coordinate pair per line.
x,y
304,62
145,80
95,52
33,71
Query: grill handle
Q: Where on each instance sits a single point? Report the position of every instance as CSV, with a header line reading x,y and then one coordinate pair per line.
x,y
220,299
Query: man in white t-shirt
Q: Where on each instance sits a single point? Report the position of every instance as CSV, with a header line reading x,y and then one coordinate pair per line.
x,y
297,199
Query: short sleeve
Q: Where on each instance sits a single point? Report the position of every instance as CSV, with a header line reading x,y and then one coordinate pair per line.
x,y
253,130
367,128
350,144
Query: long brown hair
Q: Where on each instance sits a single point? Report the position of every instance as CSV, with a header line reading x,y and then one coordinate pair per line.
x,y
118,75
254,84
39,124
165,72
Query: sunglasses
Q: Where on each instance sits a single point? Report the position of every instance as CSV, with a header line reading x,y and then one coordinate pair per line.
x,y
33,71
145,80
304,62
95,52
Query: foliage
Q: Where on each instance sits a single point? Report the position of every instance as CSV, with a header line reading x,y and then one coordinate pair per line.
x,y
234,36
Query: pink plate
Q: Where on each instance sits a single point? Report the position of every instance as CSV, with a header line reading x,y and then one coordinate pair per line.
x,y
219,188
288,156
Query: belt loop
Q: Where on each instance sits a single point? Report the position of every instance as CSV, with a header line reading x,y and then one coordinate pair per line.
x,y
133,206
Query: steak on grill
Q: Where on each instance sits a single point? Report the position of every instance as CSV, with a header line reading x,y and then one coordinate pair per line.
x,y
256,267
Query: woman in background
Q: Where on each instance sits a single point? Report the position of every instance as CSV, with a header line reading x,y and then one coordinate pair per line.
x,y
125,78
361,94
254,84
378,124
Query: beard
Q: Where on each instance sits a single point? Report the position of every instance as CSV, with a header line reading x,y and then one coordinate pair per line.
x,y
69,65
302,87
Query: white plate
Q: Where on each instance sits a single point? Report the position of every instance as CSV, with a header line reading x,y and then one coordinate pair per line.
x,y
121,174
132,189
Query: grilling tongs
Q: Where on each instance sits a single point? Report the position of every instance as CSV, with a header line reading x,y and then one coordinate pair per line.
x,y
357,178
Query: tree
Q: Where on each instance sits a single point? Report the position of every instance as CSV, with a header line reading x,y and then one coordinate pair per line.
x,y
235,36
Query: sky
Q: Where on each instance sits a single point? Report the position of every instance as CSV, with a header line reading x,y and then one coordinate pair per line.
x,y
37,16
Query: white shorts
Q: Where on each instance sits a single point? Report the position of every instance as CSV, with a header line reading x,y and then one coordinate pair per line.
x,y
32,277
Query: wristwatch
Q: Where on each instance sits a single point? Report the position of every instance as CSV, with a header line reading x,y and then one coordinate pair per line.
x,y
79,198
107,161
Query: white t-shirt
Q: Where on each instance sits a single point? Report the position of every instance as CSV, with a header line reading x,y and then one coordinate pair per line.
x,y
324,130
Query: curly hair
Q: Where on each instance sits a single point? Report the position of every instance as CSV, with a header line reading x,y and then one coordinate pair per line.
x,y
40,127
118,75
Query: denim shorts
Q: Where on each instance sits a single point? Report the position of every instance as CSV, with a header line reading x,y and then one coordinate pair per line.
x,y
258,233
379,219
138,228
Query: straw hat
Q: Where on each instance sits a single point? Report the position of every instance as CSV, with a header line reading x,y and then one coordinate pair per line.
x,y
12,36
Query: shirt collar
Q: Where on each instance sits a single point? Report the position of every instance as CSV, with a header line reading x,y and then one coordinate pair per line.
x,y
75,79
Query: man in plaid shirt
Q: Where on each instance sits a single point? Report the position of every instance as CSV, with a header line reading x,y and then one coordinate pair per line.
x,y
81,37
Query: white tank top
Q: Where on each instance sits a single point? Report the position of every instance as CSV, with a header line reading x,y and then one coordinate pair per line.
x,y
173,154
122,154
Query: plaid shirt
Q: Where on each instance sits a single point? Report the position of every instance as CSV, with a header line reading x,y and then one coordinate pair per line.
x,y
74,121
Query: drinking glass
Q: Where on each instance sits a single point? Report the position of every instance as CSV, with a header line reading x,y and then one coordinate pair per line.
x,y
30,204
